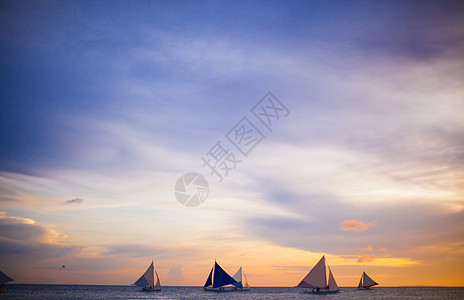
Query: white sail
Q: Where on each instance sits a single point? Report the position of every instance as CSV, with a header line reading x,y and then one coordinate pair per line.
x,y
360,284
332,283
238,278
367,281
147,279
246,280
316,277
158,284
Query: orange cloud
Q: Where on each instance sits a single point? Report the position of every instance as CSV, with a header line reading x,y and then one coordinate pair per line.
x,y
353,225
366,258
4,219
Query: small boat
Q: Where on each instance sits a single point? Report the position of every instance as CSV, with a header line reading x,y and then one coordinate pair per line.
x,y
4,279
366,282
147,280
242,281
219,281
316,280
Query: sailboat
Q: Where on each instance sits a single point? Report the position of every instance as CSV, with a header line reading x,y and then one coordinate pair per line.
x,y
316,280
147,280
242,281
219,281
366,282
4,279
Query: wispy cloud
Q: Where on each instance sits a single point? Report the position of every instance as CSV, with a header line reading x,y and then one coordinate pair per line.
x,y
74,201
133,250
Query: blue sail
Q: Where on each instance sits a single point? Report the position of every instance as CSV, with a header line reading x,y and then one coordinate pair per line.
x,y
209,280
221,278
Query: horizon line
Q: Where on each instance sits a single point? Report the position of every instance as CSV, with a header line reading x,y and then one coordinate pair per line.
x,y
200,286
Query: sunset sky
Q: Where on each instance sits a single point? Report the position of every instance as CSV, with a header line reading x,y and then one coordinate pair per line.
x,y
105,104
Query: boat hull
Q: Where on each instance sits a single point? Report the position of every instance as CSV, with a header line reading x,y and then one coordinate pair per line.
x,y
225,289
151,290
322,292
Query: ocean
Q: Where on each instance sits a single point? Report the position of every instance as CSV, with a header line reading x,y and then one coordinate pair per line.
x,y
63,292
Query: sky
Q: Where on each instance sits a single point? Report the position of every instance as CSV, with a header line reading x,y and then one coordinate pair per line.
x,y
105,105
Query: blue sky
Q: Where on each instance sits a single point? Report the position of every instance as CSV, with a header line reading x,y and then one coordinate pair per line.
x,y
110,102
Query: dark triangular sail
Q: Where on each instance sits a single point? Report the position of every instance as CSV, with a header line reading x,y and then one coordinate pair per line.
x,y
4,278
209,281
220,277
367,281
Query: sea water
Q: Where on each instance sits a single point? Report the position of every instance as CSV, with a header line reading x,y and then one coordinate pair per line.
x,y
39,291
